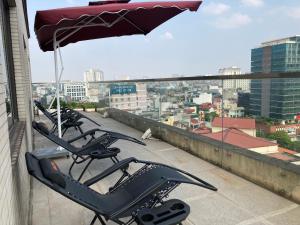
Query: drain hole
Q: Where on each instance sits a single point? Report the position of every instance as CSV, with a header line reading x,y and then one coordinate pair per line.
x,y
177,206
147,217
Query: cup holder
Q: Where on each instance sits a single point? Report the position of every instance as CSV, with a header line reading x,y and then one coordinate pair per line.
x,y
94,153
147,218
177,206
171,212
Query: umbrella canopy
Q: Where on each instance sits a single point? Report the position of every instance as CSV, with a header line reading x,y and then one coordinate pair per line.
x,y
70,25
108,2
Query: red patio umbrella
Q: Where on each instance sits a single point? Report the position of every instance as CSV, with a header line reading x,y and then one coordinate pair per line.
x,y
56,28
70,25
108,2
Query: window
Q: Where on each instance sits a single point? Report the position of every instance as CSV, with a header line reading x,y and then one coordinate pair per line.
x,y
6,61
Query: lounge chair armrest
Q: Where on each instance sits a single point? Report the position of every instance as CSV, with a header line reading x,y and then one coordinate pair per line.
x,y
120,136
90,132
118,166
196,180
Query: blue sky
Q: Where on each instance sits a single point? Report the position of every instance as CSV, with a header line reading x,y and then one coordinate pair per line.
x,y
220,34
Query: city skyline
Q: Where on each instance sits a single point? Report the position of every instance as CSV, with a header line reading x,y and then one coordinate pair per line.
x,y
192,44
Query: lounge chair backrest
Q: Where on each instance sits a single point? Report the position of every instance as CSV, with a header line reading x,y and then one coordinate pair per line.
x,y
45,112
64,185
42,129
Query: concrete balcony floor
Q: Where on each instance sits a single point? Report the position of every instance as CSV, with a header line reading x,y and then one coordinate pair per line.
x,y
238,202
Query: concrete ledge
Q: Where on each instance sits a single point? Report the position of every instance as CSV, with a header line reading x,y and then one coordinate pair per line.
x,y
276,175
21,179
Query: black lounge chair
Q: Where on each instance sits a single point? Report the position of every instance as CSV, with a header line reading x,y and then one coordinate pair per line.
x,y
69,118
96,148
138,198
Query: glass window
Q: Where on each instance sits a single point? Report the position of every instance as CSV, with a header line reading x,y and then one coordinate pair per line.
x,y
6,61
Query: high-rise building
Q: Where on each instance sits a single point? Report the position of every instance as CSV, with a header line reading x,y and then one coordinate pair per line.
x,y
240,84
91,77
276,98
129,97
75,91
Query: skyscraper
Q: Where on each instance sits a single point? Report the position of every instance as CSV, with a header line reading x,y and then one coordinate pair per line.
x,y
240,84
91,77
276,98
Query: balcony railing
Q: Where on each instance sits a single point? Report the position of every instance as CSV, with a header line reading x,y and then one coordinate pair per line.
x,y
259,112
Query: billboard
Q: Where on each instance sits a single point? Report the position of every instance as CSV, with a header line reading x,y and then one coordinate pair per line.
x,y
122,89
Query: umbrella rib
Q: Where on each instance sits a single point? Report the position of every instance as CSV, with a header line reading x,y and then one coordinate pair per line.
x,y
65,30
133,24
79,27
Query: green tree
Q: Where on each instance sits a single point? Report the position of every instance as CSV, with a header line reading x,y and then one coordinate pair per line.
x,y
63,104
282,138
210,116
295,146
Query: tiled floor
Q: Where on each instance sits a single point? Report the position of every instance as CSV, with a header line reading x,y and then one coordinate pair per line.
x,y
238,202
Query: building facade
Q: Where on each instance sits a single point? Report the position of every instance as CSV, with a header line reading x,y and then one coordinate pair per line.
x,y
203,98
129,97
15,113
92,77
236,84
74,91
276,98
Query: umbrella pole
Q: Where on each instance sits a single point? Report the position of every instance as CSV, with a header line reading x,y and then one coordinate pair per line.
x,y
59,151
57,88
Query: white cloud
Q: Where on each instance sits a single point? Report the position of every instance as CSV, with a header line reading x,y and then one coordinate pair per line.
x,y
294,13
234,21
216,8
167,36
253,3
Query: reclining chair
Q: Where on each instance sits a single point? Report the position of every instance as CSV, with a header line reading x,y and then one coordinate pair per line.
x,y
69,118
96,148
139,198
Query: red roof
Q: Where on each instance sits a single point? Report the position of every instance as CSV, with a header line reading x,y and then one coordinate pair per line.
x,y
238,123
206,106
189,110
239,138
194,121
285,150
282,156
204,130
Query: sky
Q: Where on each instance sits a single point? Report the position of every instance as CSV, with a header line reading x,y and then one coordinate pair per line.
x,y
220,34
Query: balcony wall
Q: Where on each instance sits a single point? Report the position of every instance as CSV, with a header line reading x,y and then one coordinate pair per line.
x,y
278,176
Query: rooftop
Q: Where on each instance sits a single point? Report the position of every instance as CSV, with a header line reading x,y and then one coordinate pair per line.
x,y
238,123
238,201
279,41
241,139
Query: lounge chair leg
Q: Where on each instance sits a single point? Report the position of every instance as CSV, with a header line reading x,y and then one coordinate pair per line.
x,y
71,167
125,174
94,220
81,131
114,161
100,219
64,132
85,168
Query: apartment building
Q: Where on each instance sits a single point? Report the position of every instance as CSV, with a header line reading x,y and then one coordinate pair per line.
x,y
92,77
129,97
236,84
74,91
15,113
